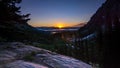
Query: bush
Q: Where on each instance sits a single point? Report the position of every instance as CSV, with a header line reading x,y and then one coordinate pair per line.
x,y
30,57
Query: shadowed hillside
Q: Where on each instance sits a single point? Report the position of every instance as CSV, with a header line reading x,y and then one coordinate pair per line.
x,y
98,38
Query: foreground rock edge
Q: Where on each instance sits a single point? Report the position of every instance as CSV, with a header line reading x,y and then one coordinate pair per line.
x,y
19,55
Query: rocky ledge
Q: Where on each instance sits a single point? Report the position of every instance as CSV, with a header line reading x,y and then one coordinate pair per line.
x,y
19,55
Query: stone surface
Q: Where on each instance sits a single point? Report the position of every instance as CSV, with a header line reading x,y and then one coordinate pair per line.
x,y
23,64
12,55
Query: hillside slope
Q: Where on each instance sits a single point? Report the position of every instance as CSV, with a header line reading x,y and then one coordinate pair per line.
x,y
19,55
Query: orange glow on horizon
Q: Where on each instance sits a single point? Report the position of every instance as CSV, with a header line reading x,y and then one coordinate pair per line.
x,y
55,24
60,25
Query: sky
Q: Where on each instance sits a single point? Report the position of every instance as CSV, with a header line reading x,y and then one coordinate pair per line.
x,y
59,12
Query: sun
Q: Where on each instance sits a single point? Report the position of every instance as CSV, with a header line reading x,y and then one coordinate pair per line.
x,y
60,26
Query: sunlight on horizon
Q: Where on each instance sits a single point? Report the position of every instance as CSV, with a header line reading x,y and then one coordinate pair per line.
x,y
55,24
60,25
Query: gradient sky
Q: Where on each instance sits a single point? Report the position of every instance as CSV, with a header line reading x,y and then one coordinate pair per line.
x,y
54,12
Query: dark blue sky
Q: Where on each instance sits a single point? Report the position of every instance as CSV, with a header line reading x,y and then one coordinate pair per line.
x,y
52,12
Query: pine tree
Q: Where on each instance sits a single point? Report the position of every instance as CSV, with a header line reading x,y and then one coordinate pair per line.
x,y
10,12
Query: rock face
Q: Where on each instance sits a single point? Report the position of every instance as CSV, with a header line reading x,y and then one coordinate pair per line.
x,y
100,36
19,55
106,18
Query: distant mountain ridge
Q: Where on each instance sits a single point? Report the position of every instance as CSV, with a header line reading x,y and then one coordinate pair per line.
x,y
80,25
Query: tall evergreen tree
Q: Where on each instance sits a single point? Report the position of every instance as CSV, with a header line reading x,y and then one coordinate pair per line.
x,y
10,12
